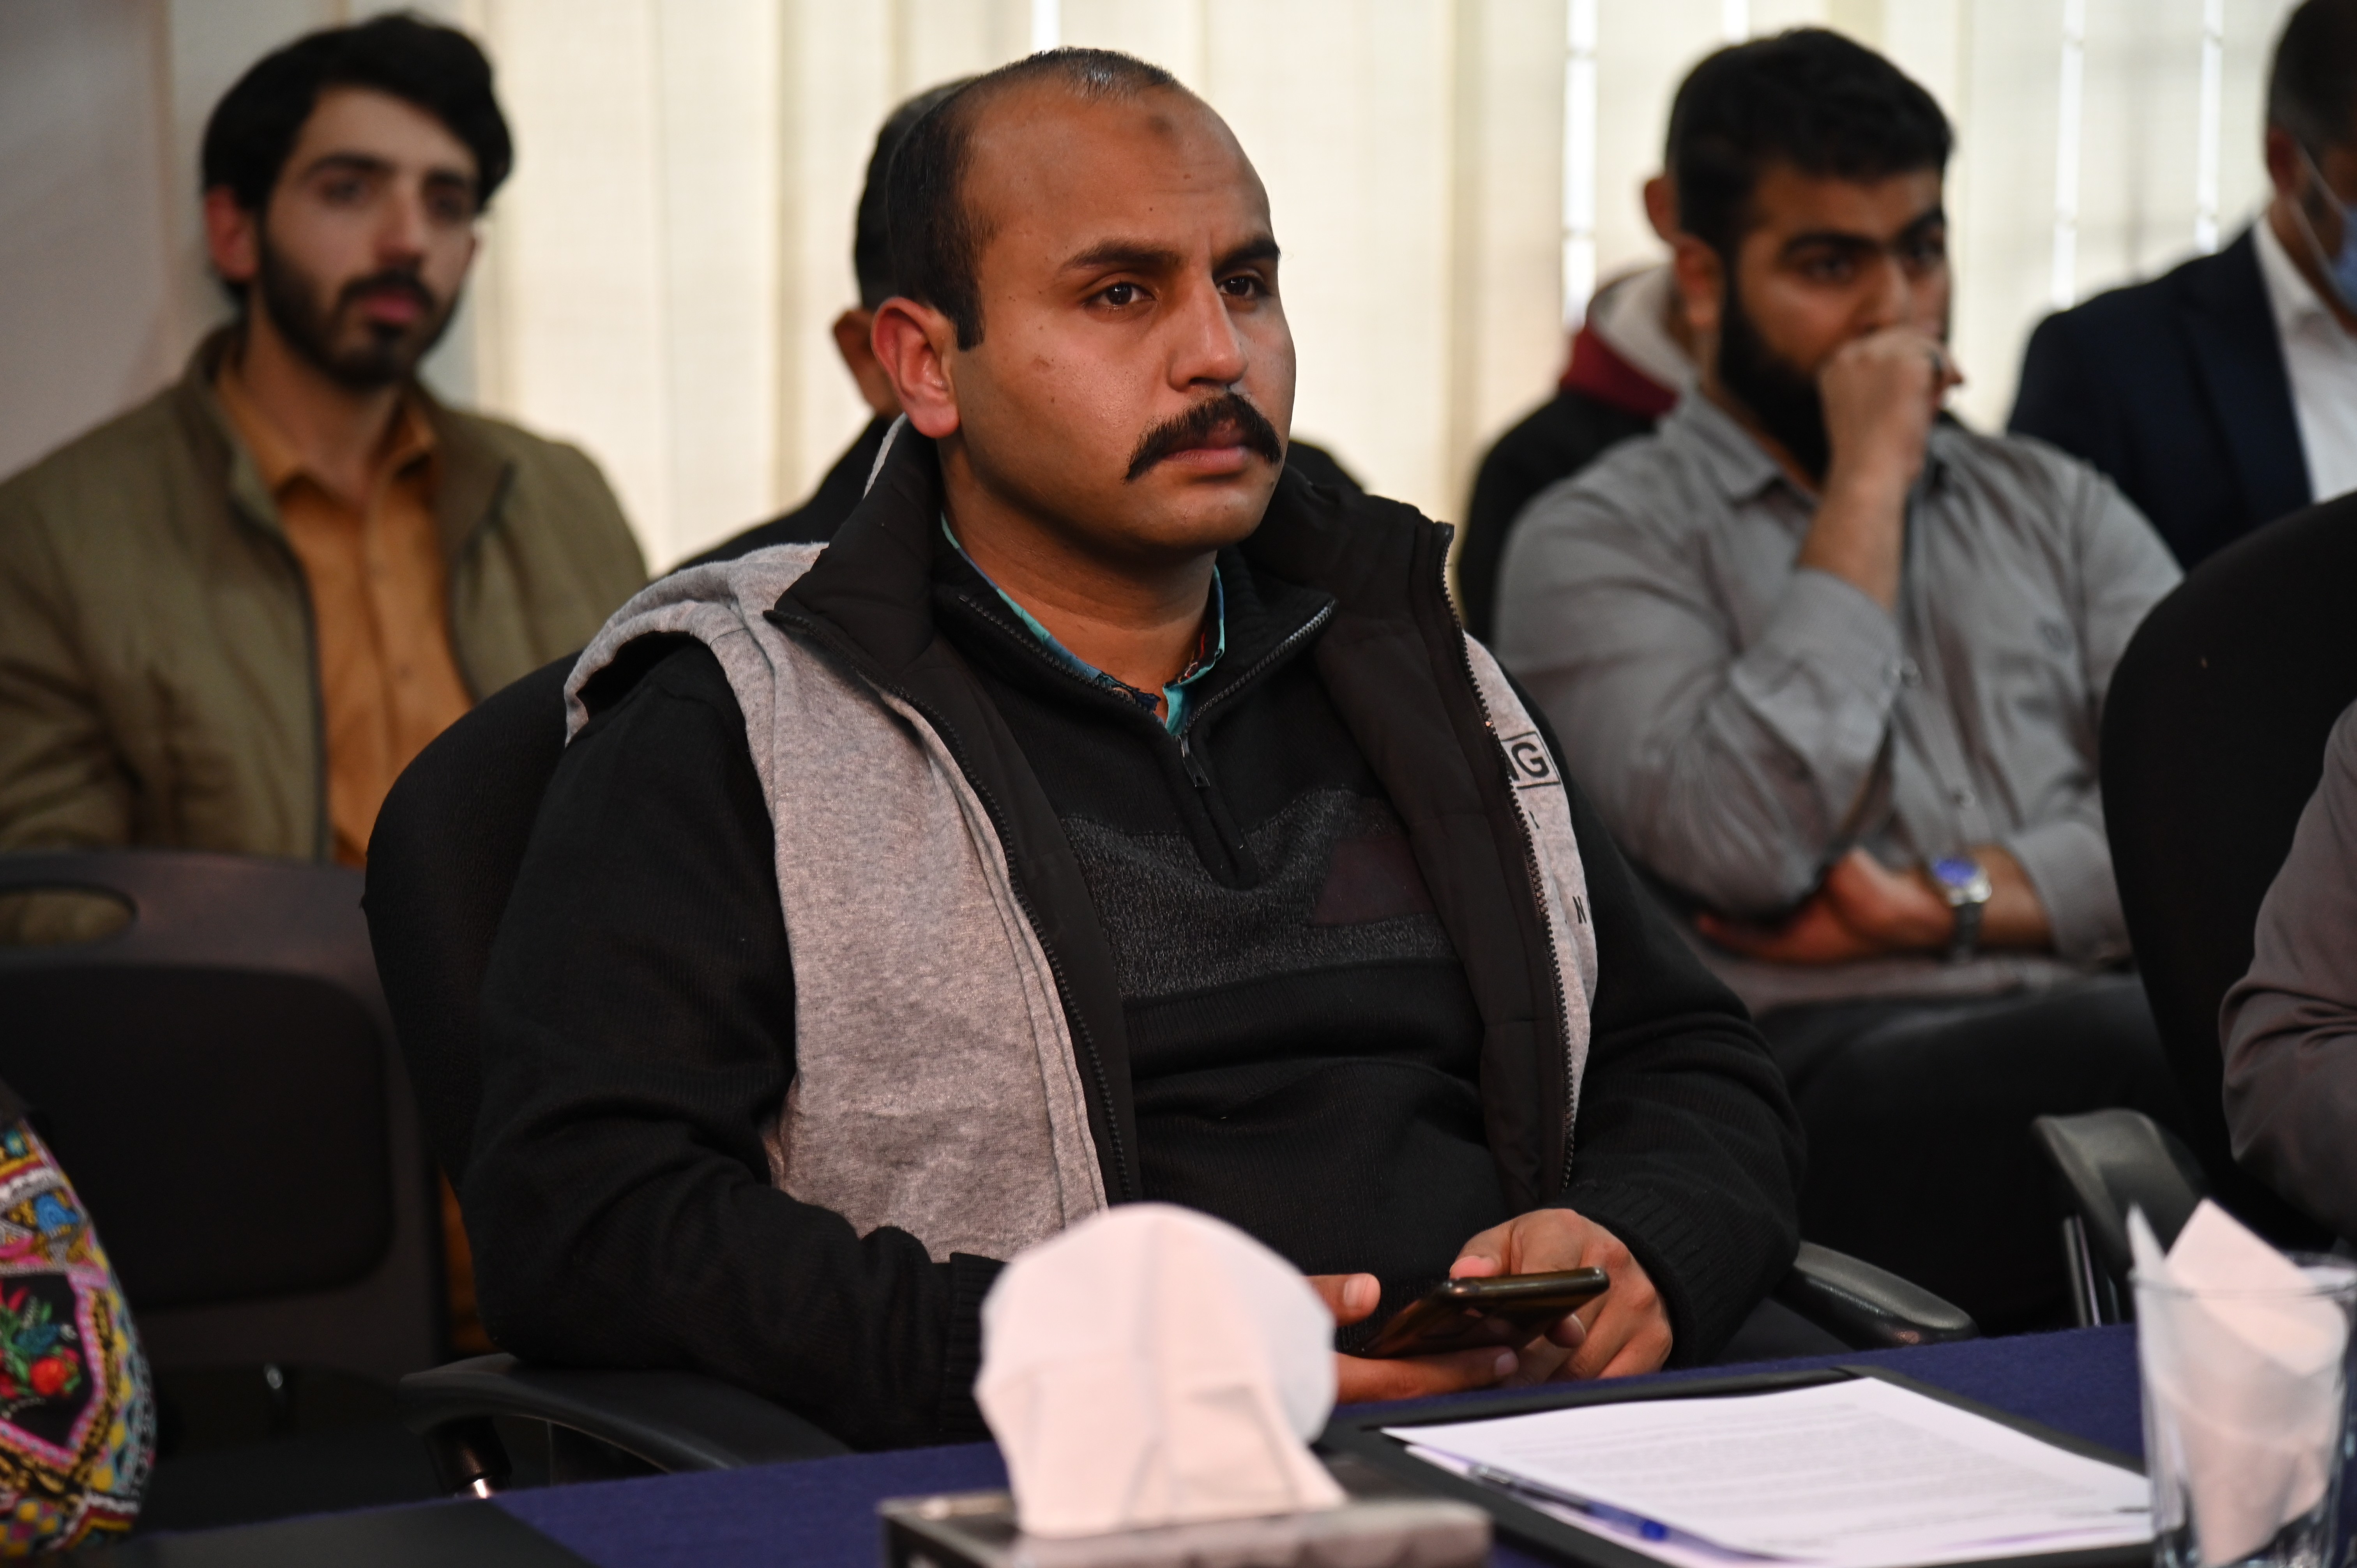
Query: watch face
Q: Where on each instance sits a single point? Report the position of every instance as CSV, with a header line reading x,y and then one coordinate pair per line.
x,y
1954,871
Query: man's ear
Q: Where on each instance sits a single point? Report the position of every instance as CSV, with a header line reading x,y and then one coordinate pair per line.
x,y
1701,277
2285,168
854,332
232,237
1661,208
912,342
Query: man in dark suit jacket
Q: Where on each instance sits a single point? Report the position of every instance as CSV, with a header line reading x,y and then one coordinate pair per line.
x,y
815,520
2224,395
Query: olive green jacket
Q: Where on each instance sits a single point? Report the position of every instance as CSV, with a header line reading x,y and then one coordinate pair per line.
x,y
158,677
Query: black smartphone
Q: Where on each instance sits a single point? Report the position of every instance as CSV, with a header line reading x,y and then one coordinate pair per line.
x,y
1505,1309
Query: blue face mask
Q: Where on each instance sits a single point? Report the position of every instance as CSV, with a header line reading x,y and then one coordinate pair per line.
x,y
2340,270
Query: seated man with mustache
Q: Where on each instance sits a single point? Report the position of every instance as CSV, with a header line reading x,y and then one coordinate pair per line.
x,y
1105,814
1834,666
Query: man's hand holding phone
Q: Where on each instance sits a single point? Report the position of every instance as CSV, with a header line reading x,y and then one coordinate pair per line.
x,y
1625,1330
1359,1380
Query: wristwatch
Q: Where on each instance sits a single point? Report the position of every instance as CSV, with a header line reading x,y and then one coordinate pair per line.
x,y
1965,887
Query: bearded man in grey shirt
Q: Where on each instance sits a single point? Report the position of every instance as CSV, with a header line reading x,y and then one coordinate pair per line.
x,y
1832,668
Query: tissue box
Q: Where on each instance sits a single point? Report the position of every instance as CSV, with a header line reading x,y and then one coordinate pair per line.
x,y
976,1529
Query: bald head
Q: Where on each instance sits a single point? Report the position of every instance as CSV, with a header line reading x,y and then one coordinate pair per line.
x,y
938,226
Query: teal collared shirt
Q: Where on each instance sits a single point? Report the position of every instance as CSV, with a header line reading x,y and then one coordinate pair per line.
x,y
1176,697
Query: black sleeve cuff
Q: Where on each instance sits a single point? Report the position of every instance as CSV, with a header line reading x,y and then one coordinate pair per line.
x,y
970,1280
1709,1280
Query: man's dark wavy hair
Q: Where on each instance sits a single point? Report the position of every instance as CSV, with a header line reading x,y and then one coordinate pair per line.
x,y
1809,98
253,127
936,238
2312,85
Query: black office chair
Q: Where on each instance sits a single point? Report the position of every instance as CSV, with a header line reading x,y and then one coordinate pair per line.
x,y
217,1080
2213,741
448,843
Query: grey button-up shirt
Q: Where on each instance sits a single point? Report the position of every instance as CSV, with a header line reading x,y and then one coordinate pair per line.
x,y
1742,723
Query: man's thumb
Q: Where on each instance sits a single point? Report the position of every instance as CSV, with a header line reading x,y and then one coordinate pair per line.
x,y
1350,1297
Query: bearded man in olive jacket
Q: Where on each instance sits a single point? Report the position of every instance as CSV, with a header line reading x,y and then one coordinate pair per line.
x,y
229,617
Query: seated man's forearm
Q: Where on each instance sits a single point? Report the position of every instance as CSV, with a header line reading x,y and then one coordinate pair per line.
x,y
1729,775
2015,918
2289,1025
2290,1096
681,1262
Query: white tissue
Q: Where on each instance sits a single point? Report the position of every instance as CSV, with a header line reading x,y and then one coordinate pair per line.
x,y
1154,1366
2251,1383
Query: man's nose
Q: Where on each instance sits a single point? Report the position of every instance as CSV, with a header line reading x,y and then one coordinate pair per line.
x,y
401,225
1891,301
1208,349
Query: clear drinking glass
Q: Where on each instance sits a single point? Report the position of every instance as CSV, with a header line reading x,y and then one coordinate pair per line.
x,y
2245,1412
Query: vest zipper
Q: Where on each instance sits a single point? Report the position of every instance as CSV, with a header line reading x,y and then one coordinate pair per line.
x,y
1197,774
1538,889
1072,1017
1230,838
1243,683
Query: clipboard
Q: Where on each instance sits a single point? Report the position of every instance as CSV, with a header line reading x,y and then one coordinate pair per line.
x,y
1366,1458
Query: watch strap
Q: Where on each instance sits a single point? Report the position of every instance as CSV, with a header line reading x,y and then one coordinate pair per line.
x,y
1964,882
1966,942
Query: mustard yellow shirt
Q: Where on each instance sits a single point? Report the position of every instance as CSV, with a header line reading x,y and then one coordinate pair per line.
x,y
388,679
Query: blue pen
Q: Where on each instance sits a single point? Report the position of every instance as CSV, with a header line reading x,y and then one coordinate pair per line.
x,y
1636,1524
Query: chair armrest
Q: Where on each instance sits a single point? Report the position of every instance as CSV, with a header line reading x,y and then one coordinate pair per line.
x,y
2111,1161
1868,1308
672,1420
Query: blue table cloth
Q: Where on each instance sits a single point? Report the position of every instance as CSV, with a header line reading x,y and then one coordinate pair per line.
x,y
821,1512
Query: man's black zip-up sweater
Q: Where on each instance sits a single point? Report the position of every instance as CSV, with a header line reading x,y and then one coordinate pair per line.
x,y
1306,999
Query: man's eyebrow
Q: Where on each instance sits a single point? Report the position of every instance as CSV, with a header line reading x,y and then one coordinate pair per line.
x,y
350,162
1261,249
1847,240
370,164
1125,255
1144,256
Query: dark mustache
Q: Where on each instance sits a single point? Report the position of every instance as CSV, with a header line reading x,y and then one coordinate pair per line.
x,y
1191,427
394,280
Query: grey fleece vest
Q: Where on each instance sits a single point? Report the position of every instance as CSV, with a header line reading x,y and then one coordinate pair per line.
x,y
936,1088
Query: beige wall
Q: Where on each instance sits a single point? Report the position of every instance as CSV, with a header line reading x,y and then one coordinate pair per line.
x,y
659,275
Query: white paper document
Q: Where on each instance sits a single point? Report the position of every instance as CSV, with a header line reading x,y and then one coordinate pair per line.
x,y
1861,1474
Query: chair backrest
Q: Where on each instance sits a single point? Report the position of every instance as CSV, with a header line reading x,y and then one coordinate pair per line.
x,y
2108,1164
219,1081
444,856
2213,741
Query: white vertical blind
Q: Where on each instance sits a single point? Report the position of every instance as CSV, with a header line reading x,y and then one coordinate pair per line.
x,y
2070,100
1450,178
2205,169
1578,160
1349,114
91,242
